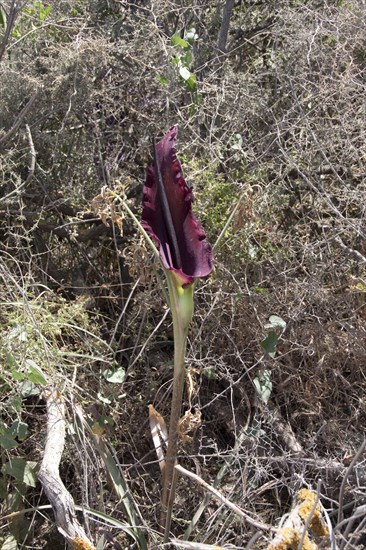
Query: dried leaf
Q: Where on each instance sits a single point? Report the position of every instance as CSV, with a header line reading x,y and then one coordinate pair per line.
x,y
159,434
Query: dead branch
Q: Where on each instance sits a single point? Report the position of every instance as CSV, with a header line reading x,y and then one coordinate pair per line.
x,y
350,468
233,507
31,220
350,251
303,524
62,502
33,156
10,22
224,29
19,119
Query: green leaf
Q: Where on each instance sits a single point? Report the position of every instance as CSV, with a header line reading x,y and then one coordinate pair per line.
x,y
7,442
16,403
269,344
187,58
10,360
44,11
263,385
23,470
19,429
275,321
19,376
34,373
178,41
115,376
210,373
259,289
2,18
163,80
184,73
28,388
198,99
191,83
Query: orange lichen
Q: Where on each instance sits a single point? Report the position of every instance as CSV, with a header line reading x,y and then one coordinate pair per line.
x,y
288,539
81,544
306,511
316,525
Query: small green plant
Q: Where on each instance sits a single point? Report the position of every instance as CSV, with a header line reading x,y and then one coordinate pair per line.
x,y
32,17
182,63
262,382
183,58
214,195
39,10
271,340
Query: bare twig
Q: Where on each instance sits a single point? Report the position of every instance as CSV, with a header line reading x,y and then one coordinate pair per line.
x,y
32,155
199,546
255,538
344,481
19,119
233,507
351,251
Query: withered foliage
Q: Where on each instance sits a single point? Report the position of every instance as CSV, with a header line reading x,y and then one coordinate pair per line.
x,y
274,118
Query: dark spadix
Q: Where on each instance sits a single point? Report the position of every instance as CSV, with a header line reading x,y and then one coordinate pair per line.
x,y
168,218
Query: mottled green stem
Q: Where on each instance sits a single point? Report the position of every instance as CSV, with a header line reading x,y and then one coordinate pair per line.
x,y
181,303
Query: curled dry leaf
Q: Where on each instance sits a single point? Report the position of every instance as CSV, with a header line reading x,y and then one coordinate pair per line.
x,y
104,206
188,424
192,388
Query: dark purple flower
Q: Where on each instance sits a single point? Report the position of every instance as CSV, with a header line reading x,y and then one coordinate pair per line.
x,y
168,218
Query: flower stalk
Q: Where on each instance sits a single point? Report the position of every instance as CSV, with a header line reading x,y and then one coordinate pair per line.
x,y
181,305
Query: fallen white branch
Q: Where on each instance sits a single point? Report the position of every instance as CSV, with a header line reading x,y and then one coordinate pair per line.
x,y
62,502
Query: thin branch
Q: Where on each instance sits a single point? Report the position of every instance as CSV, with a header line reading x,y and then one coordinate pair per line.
x,y
351,251
19,119
344,481
233,507
33,156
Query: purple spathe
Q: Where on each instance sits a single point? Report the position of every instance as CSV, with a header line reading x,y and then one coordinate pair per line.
x,y
194,257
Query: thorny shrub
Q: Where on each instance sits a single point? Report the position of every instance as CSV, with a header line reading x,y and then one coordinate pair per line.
x,y
278,122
